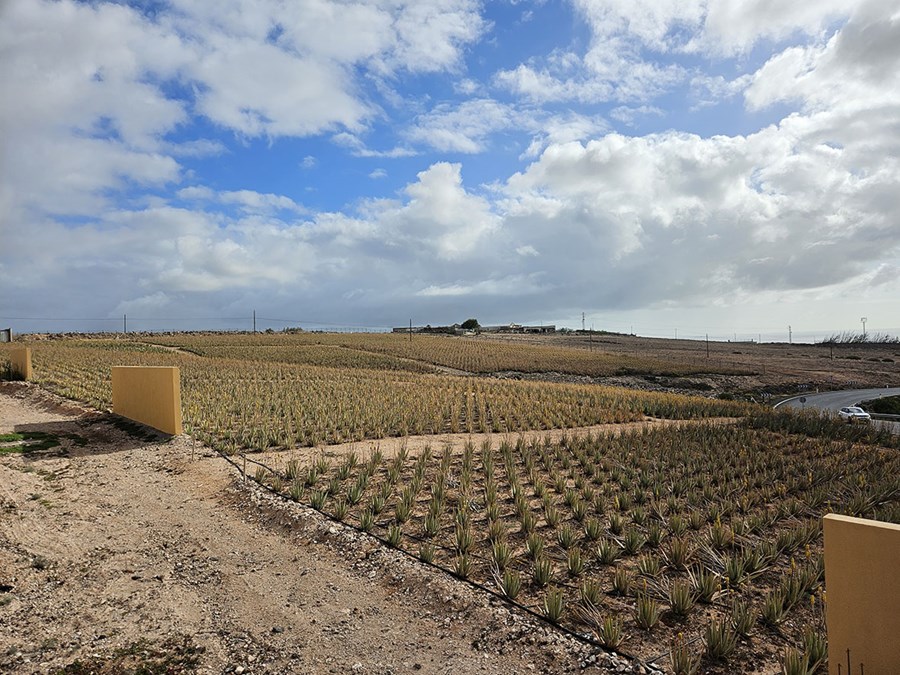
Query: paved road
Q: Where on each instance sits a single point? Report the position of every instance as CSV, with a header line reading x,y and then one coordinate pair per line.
x,y
835,400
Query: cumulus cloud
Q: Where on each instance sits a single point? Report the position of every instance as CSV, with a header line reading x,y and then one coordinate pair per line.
x,y
628,115
100,198
255,202
463,128
86,92
857,65
774,210
470,126
631,41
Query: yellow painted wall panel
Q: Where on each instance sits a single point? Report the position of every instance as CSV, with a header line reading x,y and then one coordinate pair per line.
x,y
20,361
862,583
150,395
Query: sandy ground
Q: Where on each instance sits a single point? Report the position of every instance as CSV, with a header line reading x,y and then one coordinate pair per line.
x,y
117,536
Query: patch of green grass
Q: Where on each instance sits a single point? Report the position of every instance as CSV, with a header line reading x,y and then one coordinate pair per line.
x,y
28,441
40,499
175,655
889,405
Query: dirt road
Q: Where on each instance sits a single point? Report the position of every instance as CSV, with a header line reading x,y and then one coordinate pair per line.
x,y
119,548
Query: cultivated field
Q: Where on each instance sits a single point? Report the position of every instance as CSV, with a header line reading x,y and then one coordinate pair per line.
x,y
704,536
259,401
680,543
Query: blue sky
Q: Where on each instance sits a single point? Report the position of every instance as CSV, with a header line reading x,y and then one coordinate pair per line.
x,y
702,165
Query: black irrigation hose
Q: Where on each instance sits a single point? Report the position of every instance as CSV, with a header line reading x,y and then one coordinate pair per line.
x,y
577,636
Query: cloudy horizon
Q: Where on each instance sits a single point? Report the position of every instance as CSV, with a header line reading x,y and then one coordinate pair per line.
x,y
701,167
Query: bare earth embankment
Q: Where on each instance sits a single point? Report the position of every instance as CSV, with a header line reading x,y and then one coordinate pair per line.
x,y
117,548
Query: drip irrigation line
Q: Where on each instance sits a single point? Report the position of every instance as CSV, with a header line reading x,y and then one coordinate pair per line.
x,y
486,589
659,656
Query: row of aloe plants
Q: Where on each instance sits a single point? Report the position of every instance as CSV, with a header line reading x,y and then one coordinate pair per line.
x,y
709,532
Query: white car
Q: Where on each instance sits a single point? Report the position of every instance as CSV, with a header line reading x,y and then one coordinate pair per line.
x,y
854,414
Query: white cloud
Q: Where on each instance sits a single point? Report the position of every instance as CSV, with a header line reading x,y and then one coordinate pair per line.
x,y
776,210
470,126
563,128
710,27
86,86
627,115
467,87
710,90
359,149
79,116
541,84
632,41
517,285
287,69
248,202
255,202
464,128
441,214
735,26
152,302
257,89
90,173
196,193
857,66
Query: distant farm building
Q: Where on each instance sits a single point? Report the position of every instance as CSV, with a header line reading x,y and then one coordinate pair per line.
x,y
456,329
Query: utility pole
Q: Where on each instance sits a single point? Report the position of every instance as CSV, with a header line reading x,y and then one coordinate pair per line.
x,y
790,335
124,323
864,319
254,320
582,322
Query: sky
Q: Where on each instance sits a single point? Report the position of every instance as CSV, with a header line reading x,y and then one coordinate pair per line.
x,y
721,167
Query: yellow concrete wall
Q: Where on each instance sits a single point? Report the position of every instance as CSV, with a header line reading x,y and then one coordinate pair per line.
x,y
20,362
862,584
150,395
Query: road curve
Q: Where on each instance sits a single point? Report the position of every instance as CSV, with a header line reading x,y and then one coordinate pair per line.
x,y
835,400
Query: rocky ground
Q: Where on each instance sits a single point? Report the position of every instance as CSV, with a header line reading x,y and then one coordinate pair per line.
x,y
121,551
